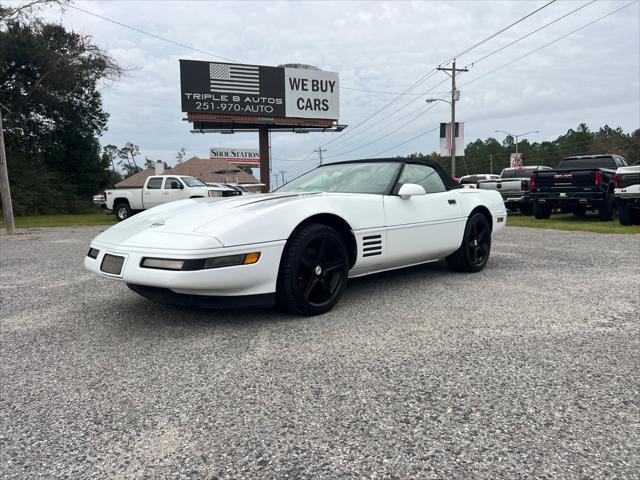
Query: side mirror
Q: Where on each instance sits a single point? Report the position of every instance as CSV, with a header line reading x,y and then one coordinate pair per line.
x,y
181,186
408,190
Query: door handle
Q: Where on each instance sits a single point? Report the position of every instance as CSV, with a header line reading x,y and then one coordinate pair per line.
x,y
451,201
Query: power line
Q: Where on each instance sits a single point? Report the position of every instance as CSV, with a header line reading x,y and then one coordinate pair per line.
x,y
476,45
429,107
432,72
531,33
550,43
407,141
144,32
350,141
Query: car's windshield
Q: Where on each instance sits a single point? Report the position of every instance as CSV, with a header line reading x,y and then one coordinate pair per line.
x,y
360,177
193,182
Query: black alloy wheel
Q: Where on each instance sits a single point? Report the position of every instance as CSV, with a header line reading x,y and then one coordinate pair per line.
x,y
313,270
473,254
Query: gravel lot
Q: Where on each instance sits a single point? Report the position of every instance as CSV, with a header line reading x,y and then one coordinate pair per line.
x,y
528,369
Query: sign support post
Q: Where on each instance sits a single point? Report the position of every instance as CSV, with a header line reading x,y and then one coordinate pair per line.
x,y
263,140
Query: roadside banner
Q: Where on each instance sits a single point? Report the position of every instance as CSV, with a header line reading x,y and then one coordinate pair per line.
x,y
516,160
445,139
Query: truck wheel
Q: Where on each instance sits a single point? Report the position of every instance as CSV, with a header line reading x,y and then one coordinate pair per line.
x,y
608,209
580,211
122,211
625,215
526,209
541,211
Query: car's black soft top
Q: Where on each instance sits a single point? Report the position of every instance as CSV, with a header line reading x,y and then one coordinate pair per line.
x,y
448,182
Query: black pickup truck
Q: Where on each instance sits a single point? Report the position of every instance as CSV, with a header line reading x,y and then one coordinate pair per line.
x,y
579,183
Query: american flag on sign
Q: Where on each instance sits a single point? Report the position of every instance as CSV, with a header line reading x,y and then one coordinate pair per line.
x,y
234,78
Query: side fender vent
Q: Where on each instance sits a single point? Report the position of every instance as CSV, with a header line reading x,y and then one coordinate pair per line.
x,y
372,245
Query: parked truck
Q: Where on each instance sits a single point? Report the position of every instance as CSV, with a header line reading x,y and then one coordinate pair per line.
x,y
580,183
513,185
158,189
627,194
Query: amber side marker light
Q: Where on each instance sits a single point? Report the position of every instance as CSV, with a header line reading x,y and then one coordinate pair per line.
x,y
250,258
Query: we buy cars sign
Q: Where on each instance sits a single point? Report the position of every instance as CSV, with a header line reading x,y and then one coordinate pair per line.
x,y
241,89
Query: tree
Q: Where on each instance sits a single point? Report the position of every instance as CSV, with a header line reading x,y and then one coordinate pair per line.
x,y
109,154
180,155
50,82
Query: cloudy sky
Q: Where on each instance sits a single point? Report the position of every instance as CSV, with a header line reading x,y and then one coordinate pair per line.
x,y
379,49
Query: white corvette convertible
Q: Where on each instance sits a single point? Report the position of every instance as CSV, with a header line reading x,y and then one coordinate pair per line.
x,y
298,245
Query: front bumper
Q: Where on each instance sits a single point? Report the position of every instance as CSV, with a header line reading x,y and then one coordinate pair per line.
x,y
254,279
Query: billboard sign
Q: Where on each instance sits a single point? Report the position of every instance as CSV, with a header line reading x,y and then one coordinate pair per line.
x,y
242,157
258,90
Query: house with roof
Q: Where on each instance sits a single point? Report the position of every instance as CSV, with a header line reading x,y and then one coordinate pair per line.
x,y
210,170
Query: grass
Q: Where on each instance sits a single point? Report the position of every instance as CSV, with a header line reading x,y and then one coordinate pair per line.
x,y
568,221
71,220
590,223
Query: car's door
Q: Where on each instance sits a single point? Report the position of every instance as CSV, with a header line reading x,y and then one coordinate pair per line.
x,y
152,194
423,227
172,190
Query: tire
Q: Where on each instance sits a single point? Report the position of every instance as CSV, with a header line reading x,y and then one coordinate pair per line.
x,y
122,211
608,209
526,209
580,211
625,215
541,211
473,254
313,270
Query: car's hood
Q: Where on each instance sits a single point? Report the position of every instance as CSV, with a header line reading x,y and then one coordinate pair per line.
x,y
201,219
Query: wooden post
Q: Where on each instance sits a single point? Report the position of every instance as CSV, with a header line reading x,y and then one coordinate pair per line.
x,y
5,191
263,136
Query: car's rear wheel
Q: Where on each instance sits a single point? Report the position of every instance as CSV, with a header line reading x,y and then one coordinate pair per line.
x,y
313,270
473,254
122,211
541,211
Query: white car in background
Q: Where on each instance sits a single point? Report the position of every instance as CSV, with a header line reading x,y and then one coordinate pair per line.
x,y
299,244
471,181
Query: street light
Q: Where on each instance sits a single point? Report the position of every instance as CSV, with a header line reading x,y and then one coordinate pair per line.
x,y
517,136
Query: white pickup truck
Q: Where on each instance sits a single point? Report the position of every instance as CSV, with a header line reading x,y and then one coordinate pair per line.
x,y
158,189
513,185
627,194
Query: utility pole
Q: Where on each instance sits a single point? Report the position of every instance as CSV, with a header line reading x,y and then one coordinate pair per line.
x,y
319,151
282,172
491,163
275,179
5,191
455,95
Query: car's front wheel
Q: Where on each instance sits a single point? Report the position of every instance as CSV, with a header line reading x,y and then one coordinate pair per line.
x,y
473,254
313,270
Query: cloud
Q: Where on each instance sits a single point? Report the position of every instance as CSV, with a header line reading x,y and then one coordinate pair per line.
x,y
591,76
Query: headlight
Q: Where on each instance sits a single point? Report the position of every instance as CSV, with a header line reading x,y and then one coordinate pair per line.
x,y
202,263
93,253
